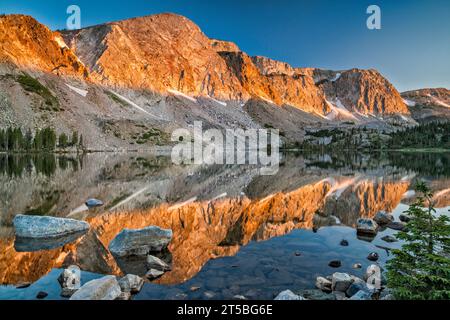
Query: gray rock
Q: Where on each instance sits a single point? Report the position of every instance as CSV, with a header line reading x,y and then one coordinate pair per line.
x,y
357,266
106,288
388,297
366,226
131,283
323,284
383,217
399,226
23,285
373,256
41,295
70,278
92,203
335,264
361,295
339,295
153,274
288,295
389,239
209,294
47,227
404,218
344,243
124,296
341,281
67,292
239,297
355,287
140,242
316,295
156,263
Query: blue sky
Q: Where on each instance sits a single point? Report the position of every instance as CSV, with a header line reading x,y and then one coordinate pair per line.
x,y
412,49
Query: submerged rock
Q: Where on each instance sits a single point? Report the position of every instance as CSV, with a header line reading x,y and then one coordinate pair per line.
x,y
140,242
288,295
41,295
399,226
404,218
383,217
106,288
373,256
389,239
156,263
357,266
367,226
344,243
335,264
131,283
47,227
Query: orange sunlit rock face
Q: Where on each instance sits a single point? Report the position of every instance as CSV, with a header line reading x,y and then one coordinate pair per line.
x,y
206,230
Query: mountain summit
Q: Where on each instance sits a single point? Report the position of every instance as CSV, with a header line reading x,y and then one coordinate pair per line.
x,y
116,80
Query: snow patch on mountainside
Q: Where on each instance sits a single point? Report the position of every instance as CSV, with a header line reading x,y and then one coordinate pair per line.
x,y
81,92
219,102
266,100
134,105
181,94
336,77
338,109
409,103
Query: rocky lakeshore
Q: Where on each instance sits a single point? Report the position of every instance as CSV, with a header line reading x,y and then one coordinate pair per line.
x,y
143,256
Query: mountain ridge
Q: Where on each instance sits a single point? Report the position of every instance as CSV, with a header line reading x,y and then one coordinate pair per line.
x,y
162,71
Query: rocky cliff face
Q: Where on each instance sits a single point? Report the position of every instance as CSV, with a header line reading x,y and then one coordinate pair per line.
x,y
27,43
168,73
365,92
160,53
167,51
428,104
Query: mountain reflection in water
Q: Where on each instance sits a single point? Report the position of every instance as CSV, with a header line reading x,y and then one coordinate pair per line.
x,y
233,205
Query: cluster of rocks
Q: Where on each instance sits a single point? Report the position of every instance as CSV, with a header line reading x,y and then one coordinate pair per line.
x,y
105,288
128,243
368,228
147,243
343,286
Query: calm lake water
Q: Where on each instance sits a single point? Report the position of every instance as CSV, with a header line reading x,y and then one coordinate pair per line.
x,y
235,232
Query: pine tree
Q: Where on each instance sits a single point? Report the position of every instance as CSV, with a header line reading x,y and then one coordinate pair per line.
x,y
74,140
63,140
421,268
28,140
2,140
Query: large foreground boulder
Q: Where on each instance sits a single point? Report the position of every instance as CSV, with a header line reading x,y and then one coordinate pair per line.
x,y
47,227
140,242
106,288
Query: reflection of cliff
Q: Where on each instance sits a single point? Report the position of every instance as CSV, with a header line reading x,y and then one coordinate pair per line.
x,y
208,229
364,198
88,253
